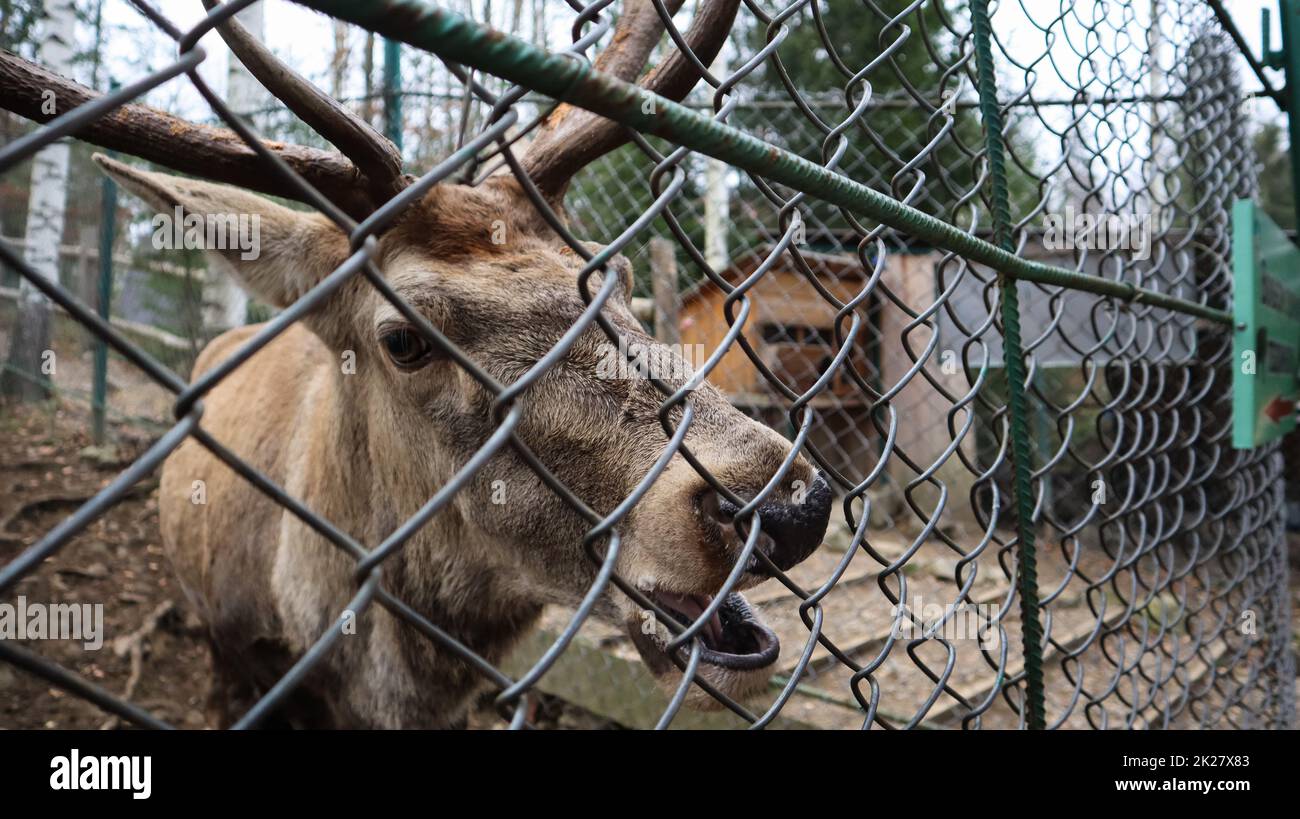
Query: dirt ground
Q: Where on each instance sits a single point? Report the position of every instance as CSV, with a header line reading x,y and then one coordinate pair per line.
x,y
154,654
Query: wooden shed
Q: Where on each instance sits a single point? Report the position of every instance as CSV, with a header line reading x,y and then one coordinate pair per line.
x,y
791,328
792,331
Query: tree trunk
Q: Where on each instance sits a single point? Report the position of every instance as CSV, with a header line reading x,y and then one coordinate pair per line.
x,y
368,69
717,196
663,280
339,62
31,362
87,265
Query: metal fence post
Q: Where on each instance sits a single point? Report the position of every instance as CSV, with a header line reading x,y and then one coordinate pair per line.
x,y
1014,366
392,92
1288,59
107,232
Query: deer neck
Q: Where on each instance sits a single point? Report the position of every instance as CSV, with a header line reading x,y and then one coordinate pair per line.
x,y
376,478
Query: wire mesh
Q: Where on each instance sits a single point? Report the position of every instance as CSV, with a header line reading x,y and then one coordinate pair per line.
x,y
881,358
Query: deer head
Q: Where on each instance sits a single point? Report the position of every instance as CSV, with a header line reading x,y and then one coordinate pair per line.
x,y
487,272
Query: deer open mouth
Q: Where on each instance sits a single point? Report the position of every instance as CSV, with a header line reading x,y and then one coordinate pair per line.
x,y
733,637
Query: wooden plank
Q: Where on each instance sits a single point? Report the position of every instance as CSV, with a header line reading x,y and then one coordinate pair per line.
x,y
1072,641
617,689
166,339
778,593
822,658
123,260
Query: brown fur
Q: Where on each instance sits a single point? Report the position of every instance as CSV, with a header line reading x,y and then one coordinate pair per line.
x,y
366,450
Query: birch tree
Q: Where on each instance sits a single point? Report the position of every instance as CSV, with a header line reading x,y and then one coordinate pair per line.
x,y
31,361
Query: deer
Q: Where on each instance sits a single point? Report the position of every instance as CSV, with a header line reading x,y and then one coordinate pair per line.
x,y
366,446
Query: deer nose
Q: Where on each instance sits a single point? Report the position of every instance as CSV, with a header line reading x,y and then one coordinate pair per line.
x,y
791,530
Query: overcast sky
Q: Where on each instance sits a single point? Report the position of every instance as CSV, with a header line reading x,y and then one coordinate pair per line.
x,y
304,38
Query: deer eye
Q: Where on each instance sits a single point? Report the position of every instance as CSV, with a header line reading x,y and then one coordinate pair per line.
x,y
408,349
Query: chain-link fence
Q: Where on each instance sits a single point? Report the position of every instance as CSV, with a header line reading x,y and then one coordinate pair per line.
x,y
1036,515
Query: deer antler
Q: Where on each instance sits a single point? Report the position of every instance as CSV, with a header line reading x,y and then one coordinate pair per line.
x,y
201,150
571,138
374,155
368,172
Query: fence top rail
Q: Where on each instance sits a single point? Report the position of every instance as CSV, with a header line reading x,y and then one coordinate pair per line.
x,y
456,38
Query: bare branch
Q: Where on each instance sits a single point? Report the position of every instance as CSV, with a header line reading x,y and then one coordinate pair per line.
x,y
373,153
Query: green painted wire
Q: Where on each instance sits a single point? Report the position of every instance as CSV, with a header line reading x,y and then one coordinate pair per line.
x,y
1027,559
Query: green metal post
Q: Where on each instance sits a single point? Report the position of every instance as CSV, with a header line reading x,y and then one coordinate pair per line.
x,y
107,231
1289,60
1026,558
392,92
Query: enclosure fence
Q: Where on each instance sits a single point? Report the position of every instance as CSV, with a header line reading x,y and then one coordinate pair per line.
x,y
1033,431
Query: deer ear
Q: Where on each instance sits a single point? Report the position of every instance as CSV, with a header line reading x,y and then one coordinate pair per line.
x,y
291,251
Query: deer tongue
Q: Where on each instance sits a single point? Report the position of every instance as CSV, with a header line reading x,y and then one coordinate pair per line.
x,y
692,606
734,637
